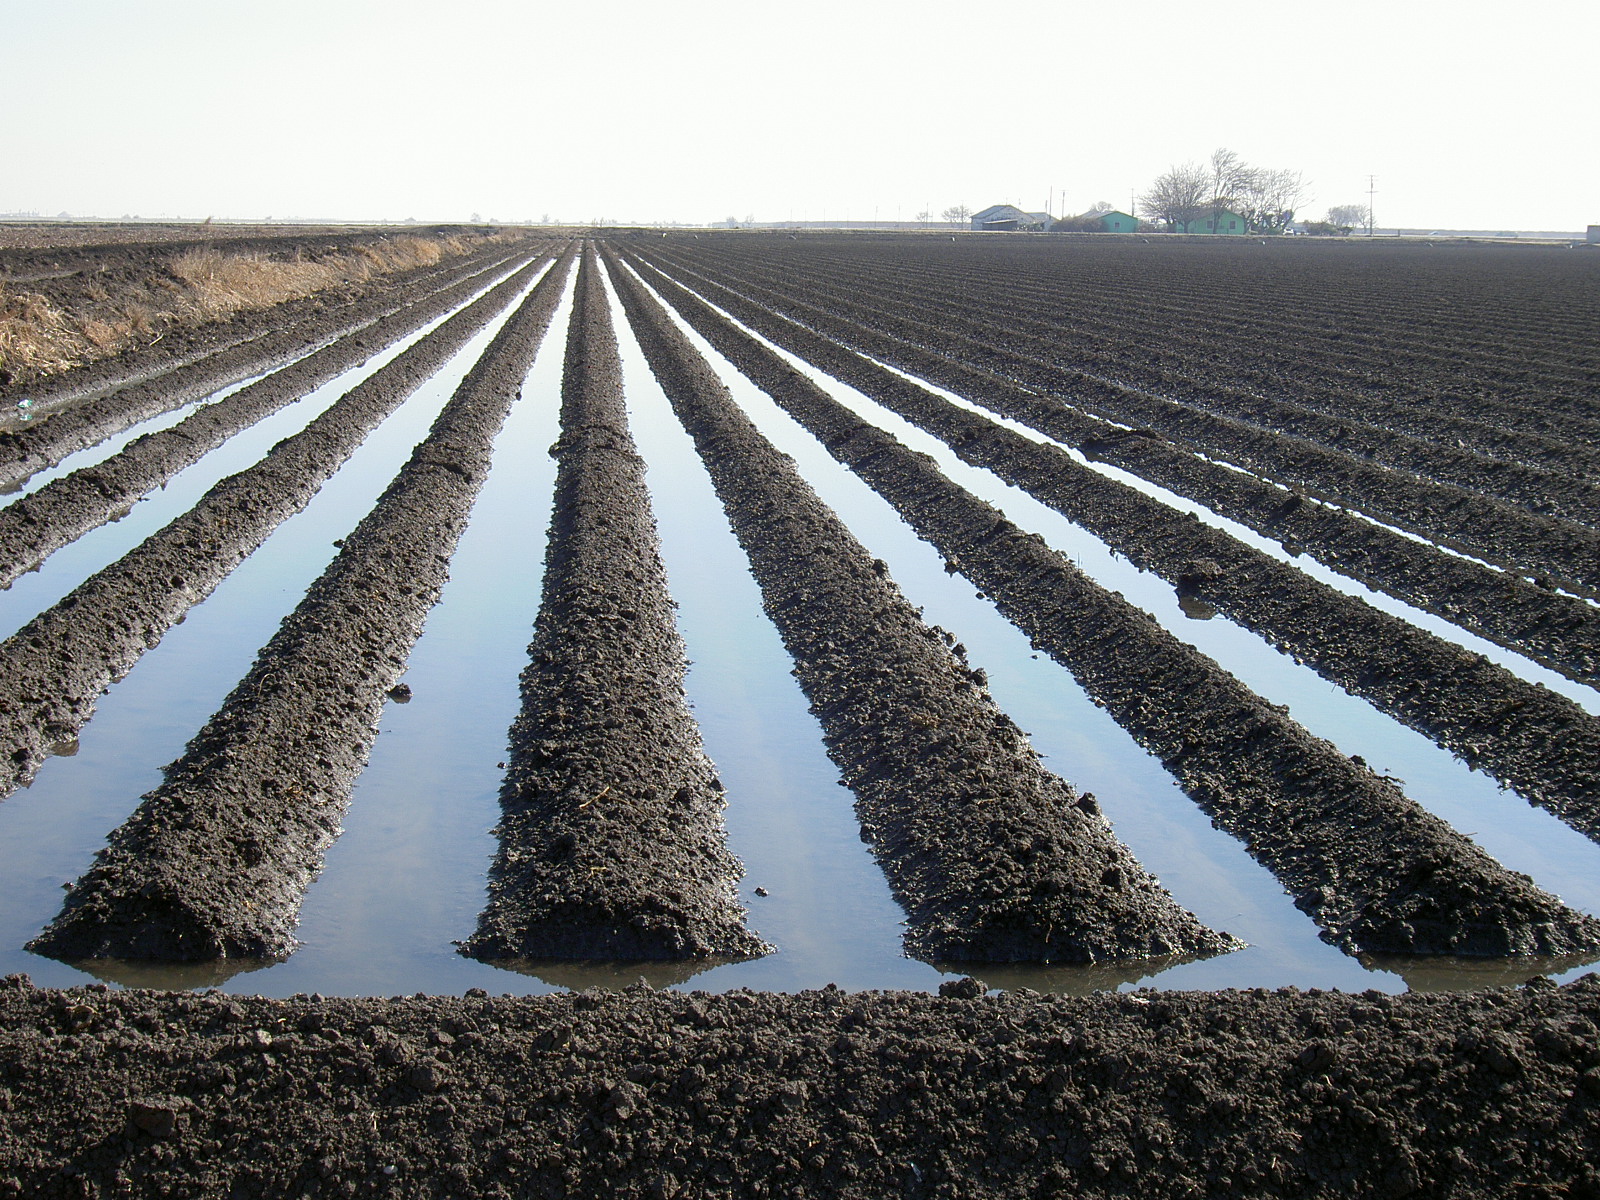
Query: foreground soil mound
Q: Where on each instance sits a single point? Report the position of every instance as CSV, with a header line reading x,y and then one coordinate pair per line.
x,y
829,1093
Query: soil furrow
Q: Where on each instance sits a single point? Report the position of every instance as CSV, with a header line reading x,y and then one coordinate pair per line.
x,y
1373,868
1558,631
35,526
53,671
611,837
215,861
27,450
1529,738
1466,520
992,857
1345,388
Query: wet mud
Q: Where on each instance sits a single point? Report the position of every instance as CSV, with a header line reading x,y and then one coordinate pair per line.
x,y
611,837
819,1094
992,857
1374,869
215,861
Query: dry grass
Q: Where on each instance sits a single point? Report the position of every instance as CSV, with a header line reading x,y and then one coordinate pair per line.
x,y
38,338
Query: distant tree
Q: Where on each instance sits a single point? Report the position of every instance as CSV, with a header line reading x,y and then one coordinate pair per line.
x,y
1179,196
957,214
1349,216
1099,206
1267,198
923,216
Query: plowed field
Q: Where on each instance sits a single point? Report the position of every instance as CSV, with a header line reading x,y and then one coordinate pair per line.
x,y
1228,613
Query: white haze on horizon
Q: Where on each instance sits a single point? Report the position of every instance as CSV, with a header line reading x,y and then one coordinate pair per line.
x,y
1471,115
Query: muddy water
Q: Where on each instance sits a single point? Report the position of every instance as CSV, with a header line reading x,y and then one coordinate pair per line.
x,y
407,877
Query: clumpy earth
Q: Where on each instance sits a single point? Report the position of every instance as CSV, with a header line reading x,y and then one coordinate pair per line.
x,y
825,1093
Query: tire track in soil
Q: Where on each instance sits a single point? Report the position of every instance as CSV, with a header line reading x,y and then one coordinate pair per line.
x,y
35,526
611,837
1560,632
214,862
25,451
992,857
1374,869
1529,738
54,669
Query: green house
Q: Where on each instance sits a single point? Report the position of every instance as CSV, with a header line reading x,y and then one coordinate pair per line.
x,y
1119,222
1219,220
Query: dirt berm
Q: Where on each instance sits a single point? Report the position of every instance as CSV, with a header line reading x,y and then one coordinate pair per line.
x,y
1373,868
611,837
992,857
825,1094
214,862
54,669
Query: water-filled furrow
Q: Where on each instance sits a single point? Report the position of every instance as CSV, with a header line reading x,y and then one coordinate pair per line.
x,y
214,862
1404,891
992,857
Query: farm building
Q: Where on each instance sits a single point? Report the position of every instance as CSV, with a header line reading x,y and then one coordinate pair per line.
x,y
1219,220
1119,222
1002,217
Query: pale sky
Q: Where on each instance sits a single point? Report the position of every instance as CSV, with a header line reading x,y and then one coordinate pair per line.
x,y
1470,114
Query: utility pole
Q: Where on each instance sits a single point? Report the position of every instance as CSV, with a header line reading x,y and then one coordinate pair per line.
x,y
1372,188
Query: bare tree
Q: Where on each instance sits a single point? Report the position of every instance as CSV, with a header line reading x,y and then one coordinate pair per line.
x,y
1267,198
1349,216
1230,176
923,216
1098,207
1179,196
957,214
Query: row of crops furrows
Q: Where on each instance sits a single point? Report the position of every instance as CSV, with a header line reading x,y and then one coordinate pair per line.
x,y
1559,551
1239,372
1529,616
1487,721
611,837
1256,370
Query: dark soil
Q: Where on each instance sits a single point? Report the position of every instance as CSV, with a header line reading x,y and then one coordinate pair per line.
x,y
214,862
993,857
1521,613
821,1094
1542,744
611,838
1373,868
